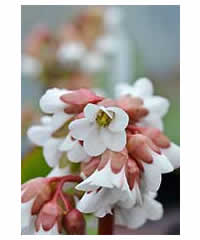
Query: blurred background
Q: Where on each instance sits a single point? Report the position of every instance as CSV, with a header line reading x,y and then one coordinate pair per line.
x,y
150,36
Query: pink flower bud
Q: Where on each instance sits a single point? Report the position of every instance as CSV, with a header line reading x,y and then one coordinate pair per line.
x,y
39,189
107,102
74,222
49,215
138,147
157,137
133,106
78,99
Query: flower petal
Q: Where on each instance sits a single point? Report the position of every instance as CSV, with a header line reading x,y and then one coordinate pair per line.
x,y
59,119
123,89
100,202
157,105
90,201
142,88
51,151
152,177
153,208
90,111
104,178
128,197
39,135
50,102
80,128
78,154
93,144
131,218
160,161
119,121
114,141
173,154
67,144
152,120
59,172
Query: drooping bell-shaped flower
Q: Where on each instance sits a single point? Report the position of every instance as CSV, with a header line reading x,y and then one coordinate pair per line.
x,y
34,194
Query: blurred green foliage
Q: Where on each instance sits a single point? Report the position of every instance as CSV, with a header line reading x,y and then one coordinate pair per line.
x,y
34,165
172,123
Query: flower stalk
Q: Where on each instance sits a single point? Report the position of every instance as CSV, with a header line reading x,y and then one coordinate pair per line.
x,y
106,225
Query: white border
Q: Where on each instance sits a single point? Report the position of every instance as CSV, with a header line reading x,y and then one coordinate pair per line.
x,y
10,115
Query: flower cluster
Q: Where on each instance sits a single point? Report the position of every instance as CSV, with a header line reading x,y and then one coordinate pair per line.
x,y
47,209
119,143
78,50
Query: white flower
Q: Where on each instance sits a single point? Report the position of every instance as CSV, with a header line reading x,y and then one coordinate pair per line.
x,y
71,53
135,217
156,105
166,162
50,102
154,160
101,128
152,174
41,135
173,154
105,178
102,201
75,152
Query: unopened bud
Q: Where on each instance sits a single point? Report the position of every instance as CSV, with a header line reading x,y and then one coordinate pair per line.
x,y
74,222
157,137
139,147
133,106
76,100
49,215
39,189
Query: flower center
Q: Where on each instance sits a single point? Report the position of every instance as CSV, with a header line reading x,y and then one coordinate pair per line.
x,y
103,119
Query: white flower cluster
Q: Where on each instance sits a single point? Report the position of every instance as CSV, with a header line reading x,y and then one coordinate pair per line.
x,y
122,161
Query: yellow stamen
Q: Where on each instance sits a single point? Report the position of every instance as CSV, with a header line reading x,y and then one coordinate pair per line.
x,y
103,119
